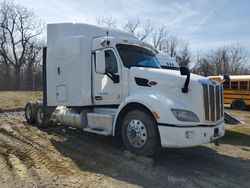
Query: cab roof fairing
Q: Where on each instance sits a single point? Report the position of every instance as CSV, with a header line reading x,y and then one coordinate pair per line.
x,y
98,41
58,31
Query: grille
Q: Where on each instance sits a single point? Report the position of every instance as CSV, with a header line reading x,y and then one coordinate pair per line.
x,y
213,102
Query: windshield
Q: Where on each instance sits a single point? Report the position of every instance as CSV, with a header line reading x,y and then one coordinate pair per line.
x,y
135,56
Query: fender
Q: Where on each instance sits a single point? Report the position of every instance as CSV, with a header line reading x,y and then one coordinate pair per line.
x,y
155,102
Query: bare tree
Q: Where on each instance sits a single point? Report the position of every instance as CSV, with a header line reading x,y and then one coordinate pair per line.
x,y
202,66
5,74
139,29
34,63
172,46
159,36
145,31
131,25
160,39
18,30
107,21
178,49
184,56
239,59
231,60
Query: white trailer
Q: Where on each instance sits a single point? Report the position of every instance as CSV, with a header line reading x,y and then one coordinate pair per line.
x,y
108,82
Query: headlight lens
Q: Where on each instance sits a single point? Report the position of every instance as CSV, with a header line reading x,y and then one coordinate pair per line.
x,y
185,115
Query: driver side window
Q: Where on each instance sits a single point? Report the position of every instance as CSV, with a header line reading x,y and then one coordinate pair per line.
x,y
110,61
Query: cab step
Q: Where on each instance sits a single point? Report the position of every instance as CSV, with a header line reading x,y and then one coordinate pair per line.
x,y
100,121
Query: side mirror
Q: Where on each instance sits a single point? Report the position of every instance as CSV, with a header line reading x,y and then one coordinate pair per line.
x,y
226,77
100,66
184,71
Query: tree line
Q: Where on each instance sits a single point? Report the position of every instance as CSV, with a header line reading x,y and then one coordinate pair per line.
x,y
232,59
22,40
158,37
228,59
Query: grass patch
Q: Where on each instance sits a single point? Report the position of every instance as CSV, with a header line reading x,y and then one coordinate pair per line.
x,y
242,129
10,100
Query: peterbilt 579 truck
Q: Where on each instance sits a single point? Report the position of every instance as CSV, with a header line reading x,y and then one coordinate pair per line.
x,y
106,81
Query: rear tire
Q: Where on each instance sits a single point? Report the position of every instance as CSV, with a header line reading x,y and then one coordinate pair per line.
x,y
42,119
30,113
140,133
238,105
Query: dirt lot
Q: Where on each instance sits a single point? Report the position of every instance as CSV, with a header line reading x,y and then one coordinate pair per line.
x,y
65,157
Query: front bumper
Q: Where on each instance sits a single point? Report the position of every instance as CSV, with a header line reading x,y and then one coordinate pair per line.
x,y
180,137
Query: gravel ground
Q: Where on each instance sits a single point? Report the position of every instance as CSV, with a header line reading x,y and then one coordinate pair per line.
x,y
65,157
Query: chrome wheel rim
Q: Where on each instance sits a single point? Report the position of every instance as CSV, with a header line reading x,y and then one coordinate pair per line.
x,y
28,112
40,115
137,133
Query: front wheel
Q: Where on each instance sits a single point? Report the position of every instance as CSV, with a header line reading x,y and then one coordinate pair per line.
x,y
139,132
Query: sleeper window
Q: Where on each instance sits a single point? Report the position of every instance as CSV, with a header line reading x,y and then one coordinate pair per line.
x,y
110,61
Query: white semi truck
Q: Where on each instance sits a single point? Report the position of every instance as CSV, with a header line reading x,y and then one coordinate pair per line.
x,y
106,81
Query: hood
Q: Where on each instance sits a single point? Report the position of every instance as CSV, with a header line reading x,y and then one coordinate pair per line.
x,y
169,84
170,78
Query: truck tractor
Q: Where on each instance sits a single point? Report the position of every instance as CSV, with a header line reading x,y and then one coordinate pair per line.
x,y
108,82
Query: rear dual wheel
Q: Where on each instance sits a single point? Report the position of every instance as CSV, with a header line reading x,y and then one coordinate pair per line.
x,y
35,113
39,116
42,117
30,113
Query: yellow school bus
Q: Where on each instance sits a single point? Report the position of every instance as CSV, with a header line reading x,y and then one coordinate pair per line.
x,y
236,91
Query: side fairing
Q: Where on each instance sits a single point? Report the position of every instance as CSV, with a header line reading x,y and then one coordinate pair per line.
x,y
68,72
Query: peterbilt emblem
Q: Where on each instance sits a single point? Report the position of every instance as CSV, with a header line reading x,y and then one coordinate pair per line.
x,y
152,83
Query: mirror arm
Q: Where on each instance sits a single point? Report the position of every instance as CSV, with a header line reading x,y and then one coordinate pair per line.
x,y
112,76
109,75
185,88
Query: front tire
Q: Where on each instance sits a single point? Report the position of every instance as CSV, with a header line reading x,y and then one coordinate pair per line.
x,y
139,132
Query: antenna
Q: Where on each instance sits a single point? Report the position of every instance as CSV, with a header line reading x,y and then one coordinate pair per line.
x,y
107,32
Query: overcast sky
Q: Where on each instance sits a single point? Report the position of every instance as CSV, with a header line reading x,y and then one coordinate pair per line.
x,y
204,24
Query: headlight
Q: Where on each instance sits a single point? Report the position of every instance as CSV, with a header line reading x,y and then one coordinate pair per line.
x,y
185,115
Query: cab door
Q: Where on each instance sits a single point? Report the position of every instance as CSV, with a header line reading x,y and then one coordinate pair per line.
x,y
107,89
